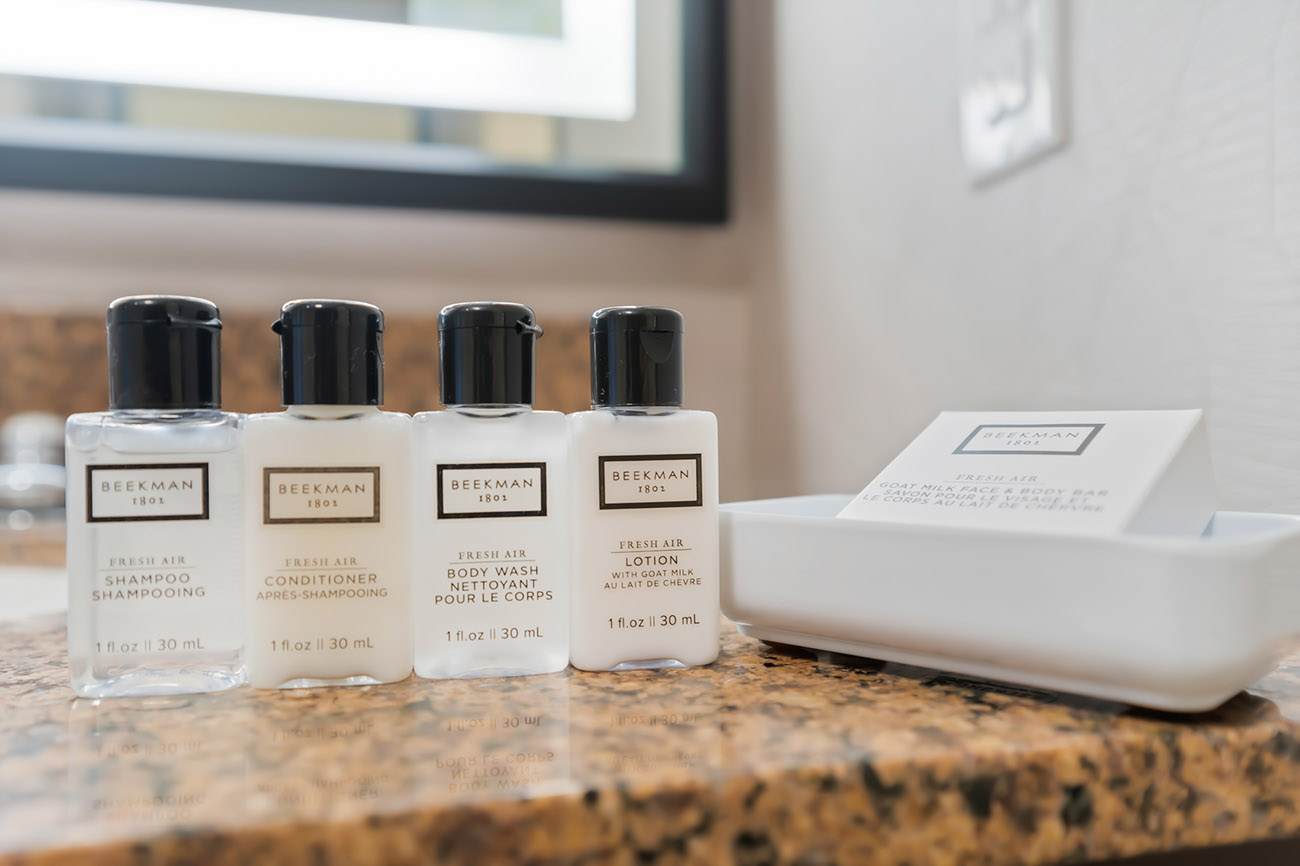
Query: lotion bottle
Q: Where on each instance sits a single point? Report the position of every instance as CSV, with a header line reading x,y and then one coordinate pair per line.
x,y
155,571
328,509
491,510
645,492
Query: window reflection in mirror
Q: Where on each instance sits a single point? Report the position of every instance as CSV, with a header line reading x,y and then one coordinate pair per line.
x,y
596,86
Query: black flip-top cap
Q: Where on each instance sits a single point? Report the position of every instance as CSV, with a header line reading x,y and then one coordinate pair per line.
x,y
636,357
331,353
164,352
485,354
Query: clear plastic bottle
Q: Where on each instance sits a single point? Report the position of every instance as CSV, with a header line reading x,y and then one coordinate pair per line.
x,y
645,494
328,509
155,571
491,510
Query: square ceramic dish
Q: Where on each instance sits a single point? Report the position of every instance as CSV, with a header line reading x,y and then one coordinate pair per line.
x,y
1172,623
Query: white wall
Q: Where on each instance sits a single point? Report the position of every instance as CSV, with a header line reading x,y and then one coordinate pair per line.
x,y
1155,262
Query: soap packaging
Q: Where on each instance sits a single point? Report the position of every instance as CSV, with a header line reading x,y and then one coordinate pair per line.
x,y
1085,473
1075,551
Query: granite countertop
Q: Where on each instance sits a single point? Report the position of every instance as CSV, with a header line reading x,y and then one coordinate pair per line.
x,y
767,756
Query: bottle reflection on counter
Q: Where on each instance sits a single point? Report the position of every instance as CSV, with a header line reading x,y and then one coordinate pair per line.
x,y
306,762
155,762
624,738
481,747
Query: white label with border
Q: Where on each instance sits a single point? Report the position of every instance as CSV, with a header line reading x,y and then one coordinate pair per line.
x,y
1061,439
146,491
651,481
330,494
491,490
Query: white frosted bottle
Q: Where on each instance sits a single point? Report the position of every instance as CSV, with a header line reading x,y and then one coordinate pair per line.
x,y
645,503
490,506
328,510
155,572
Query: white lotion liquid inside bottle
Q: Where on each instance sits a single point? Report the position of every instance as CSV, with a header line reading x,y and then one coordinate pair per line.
x,y
491,507
328,510
155,569
645,494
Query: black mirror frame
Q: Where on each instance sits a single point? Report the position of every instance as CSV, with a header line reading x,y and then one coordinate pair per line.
x,y
697,194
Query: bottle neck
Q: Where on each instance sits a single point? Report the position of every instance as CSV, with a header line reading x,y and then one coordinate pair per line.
x,y
164,415
491,410
330,412
638,410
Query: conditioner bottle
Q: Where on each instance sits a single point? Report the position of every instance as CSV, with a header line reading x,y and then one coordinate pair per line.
x,y
328,509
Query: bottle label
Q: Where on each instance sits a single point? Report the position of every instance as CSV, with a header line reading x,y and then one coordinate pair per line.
x,y
320,494
1066,439
491,490
651,481
146,491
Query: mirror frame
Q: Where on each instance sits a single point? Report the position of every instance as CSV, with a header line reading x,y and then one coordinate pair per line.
x,y
699,193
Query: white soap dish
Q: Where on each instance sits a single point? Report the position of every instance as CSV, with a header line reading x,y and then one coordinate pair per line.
x,y
1172,623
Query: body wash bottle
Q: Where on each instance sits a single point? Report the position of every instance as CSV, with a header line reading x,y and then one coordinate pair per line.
x,y
645,492
328,509
491,510
155,579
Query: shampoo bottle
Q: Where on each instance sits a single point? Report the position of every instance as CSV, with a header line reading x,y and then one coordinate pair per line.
x,y
328,509
155,571
645,492
491,510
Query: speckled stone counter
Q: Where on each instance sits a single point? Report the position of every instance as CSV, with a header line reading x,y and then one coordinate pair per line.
x,y
765,757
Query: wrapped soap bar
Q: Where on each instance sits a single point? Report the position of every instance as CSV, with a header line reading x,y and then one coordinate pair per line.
x,y
1080,473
